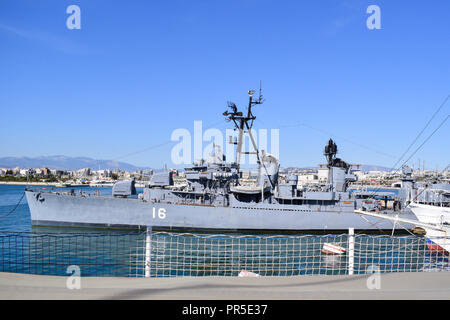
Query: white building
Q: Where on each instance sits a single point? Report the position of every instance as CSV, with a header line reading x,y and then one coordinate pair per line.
x,y
322,174
308,178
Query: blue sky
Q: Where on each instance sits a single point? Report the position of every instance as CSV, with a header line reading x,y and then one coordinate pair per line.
x,y
137,70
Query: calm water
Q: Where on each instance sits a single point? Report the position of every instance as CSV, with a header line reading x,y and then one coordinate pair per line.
x,y
50,250
100,252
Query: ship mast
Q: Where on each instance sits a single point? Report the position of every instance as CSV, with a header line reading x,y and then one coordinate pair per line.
x,y
244,124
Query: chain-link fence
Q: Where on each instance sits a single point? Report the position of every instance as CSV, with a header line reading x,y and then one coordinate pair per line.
x,y
169,254
51,253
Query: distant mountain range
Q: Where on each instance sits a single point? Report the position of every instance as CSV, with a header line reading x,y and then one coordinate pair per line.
x,y
364,168
66,163
75,163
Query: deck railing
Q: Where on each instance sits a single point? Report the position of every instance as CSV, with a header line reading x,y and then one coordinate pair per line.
x,y
170,254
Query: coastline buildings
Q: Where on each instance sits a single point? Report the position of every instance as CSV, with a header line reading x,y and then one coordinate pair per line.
x,y
316,175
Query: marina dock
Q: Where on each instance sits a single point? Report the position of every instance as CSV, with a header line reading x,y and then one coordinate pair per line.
x,y
416,285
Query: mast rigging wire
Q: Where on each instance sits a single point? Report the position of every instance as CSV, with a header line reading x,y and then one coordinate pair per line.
x,y
15,207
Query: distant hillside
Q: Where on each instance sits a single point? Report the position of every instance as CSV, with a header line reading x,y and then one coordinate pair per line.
x,y
75,163
365,168
65,163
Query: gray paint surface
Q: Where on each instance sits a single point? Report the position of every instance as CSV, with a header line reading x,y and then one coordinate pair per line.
x,y
393,286
60,209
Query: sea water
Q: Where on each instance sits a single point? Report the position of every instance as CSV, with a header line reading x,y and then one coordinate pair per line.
x,y
102,252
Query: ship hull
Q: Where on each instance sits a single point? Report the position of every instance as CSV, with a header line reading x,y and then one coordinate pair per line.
x,y
53,209
437,241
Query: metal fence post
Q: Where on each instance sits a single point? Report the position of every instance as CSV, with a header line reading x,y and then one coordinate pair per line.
x,y
148,250
351,250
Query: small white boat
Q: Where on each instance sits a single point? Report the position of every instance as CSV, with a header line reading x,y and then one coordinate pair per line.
x,y
434,219
62,185
333,249
438,231
245,273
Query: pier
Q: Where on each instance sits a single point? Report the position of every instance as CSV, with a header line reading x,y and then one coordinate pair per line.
x,y
433,285
43,184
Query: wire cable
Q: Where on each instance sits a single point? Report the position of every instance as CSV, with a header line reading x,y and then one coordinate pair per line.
x,y
15,207
420,133
417,137
157,145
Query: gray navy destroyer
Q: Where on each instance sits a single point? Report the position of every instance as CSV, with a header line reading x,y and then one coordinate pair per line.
x,y
214,197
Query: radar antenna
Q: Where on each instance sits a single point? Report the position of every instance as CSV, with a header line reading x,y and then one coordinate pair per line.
x,y
330,152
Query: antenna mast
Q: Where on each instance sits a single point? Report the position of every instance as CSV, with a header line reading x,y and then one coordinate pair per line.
x,y
244,124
